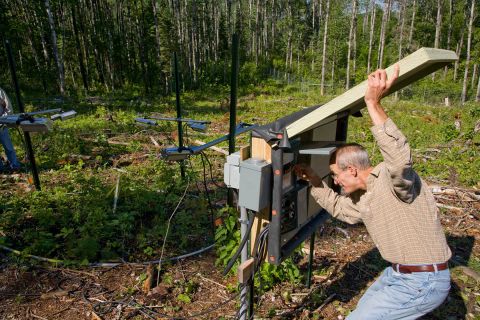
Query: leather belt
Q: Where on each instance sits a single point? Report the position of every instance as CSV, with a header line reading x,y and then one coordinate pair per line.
x,y
402,268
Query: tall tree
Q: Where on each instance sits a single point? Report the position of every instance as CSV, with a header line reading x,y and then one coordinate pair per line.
x,y
372,30
467,61
351,41
412,24
58,59
438,27
449,33
400,33
383,32
324,52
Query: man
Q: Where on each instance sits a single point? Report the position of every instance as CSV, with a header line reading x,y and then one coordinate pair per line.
x,y
399,212
5,109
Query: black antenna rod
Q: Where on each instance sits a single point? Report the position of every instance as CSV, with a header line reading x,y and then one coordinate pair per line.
x,y
28,141
179,112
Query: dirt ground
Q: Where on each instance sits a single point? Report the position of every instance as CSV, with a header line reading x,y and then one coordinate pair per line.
x,y
345,264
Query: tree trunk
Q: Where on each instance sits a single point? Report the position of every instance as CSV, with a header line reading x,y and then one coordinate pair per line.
x,y
449,34
438,27
351,39
372,30
324,52
400,36
365,18
467,61
157,31
412,24
383,32
474,76
61,71
79,50
477,98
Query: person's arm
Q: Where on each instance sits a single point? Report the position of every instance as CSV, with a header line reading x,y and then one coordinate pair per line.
x,y
391,141
338,206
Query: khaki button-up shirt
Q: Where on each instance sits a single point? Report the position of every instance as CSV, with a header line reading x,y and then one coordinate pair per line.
x,y
397,208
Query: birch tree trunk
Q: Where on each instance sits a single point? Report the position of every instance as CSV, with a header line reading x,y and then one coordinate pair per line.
x,y
383,32
324,52
83,71
467,61
400,37
474,76
449,34
477,98
351,39
157,31
372,30
438,27
61,71
412,24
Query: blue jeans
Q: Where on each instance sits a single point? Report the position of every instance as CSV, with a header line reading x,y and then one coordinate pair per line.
x,y
8,147
397,295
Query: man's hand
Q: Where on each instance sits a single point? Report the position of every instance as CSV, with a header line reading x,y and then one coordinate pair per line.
x,y
304,172
378,86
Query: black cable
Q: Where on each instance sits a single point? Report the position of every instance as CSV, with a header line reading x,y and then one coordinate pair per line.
x,y
211,171
240,247
212,212
193,170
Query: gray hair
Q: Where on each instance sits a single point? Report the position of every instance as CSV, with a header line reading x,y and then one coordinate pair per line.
x,y
351,154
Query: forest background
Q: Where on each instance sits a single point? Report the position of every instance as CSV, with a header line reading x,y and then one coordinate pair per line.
x,y
106,196
80,47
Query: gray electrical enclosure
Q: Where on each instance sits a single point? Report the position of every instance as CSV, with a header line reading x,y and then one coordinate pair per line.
x,y
231,171
255,184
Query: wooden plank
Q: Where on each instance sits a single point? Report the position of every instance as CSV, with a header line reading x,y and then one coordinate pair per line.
x,y
245,271
244,153
412,68
261,219
261,149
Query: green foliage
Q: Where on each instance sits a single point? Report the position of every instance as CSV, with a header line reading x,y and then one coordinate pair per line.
x,y
272,275
227,236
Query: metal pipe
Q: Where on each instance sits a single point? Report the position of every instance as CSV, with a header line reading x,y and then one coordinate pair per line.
x,y
179,112
310,260
244,257
233,106
233,94
28,141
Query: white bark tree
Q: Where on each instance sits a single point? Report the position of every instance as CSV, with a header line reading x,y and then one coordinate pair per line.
x,y
467,61
58,59
324,52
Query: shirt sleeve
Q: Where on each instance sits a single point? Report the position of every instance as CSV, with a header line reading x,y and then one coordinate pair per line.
x,y
340,207
397,158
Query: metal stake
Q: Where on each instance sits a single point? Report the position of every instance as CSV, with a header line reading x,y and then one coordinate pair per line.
x,y
28,141
244,257
179,113
233,105
310,260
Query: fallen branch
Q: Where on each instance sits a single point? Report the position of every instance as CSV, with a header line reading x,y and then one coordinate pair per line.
x,y
209,280
154,142
327,301
444,206
220,150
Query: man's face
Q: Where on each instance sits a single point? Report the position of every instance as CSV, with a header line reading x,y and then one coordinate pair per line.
x,y
346,179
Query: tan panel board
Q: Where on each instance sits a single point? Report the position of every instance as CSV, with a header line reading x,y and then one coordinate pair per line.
x,y
261,218
261,149
413,67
